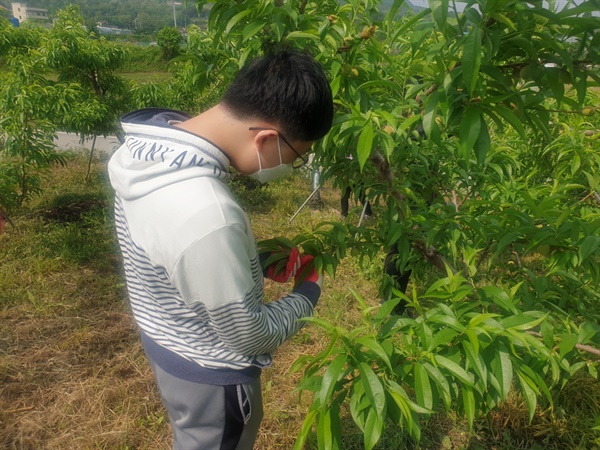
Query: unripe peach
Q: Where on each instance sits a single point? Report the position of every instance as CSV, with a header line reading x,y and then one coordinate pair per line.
x,y
588,111
367,32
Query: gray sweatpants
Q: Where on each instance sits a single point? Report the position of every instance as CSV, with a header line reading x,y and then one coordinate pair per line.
x,y
209,417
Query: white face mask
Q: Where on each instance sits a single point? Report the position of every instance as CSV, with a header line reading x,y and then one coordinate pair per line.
x,y
265,175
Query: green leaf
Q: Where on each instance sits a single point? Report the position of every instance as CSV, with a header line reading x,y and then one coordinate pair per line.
x,y
324,435
386,308
399,396
483,143
376,348
525,44
477,362
335,85
359,404
373,429
527,389
505,20
524,321
503,370
252,29
235,19
388,86
302,361
276,244
423,387
321,323
407,123
373,387
307,425
471,59
474,340
512,119
567,343
429,125
468,399
507,239
500,298
441,382
442,337
537,382
447,320
409,411
575,163
588,246
331,377
393,12
309,383
439,9
302,35
455,369
479,318
365,144
275,258
469,130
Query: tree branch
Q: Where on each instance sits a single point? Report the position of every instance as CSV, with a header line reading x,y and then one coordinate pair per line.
x,y
4,216
582,347
302,6
385,174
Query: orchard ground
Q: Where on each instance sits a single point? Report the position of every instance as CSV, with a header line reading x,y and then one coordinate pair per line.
x,y
72,371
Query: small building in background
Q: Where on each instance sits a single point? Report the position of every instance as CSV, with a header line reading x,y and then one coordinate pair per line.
x,y
22,12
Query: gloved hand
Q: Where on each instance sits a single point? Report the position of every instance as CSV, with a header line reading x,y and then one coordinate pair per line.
x,y
308,272
285,274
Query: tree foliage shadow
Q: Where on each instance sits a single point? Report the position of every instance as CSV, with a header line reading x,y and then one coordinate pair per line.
x,y
251,195
79,228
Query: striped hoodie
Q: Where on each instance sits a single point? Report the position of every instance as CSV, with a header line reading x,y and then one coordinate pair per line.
x,y
193,275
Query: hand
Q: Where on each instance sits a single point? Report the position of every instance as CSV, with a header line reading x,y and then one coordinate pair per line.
x,y
308,272
285,274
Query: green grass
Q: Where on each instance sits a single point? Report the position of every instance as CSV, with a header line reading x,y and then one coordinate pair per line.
x,y
73,375
146,77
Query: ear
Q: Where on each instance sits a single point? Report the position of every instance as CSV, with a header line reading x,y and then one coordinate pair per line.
x,y
262,137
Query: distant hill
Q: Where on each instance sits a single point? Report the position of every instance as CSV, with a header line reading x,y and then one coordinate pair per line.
x,y
408,5
148,16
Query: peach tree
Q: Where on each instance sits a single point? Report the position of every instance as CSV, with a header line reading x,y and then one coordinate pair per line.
x,y
472,130
58,79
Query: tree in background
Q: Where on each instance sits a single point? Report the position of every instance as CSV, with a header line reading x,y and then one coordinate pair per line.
x,y
28,104
169,40
90,62
87,97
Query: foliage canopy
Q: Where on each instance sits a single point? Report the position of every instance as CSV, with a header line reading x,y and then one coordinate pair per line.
x,y
458,119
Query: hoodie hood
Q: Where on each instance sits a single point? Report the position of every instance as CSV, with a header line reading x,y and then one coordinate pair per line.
x,y
156,154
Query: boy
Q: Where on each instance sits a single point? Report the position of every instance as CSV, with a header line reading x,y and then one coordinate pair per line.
x,y
193,273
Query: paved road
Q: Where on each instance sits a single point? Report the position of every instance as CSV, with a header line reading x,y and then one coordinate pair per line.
x,y
71,141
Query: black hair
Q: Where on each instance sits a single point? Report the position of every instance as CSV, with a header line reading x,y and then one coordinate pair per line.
x,y
289,89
